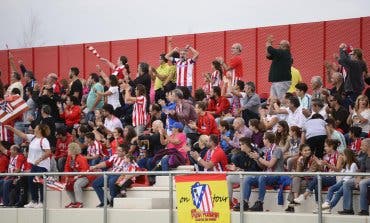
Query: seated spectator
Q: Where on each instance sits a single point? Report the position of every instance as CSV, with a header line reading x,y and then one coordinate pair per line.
x,y
360,115
7,184
226,133
358,182
295,115
331,162
250,103
307,162
218,105
240,131
215,158
355,138
334,134
61,151
258,130
94,149
246,163
117,139
153,147
125,181
269,120
272,161
292,154
350,166
338,113
114,164
282,136
201,147
70,112
304,98
110,122
76,163
175,147
205,125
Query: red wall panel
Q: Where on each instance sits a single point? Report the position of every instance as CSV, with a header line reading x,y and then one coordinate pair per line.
x,y
366,39
247,38
46,61
70,56
126,48
91,60
25,55
209,46
4,68
307,41
341,31
149,51
279,33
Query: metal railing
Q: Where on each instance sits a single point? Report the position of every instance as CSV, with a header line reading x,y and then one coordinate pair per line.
x,y
171,174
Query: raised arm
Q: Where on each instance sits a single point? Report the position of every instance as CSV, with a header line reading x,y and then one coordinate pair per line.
x,y
17,132
110,64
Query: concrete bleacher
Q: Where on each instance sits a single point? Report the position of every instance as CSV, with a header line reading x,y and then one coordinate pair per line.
x,y
151,204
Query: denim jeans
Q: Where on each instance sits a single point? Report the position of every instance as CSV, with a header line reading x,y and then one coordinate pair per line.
x,y
261,182
334,198
146,163
326,182
98,185
348,186
6,187
35,188
164,163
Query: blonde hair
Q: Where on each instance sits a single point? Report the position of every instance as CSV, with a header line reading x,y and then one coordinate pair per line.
x,y
357,104
74,148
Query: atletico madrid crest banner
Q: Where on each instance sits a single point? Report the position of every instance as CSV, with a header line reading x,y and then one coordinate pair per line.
x,y
11,108
202,198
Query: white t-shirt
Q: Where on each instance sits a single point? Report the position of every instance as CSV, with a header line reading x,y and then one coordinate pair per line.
x,y
113,99
296,118
352,169
36,150
113,123
365,114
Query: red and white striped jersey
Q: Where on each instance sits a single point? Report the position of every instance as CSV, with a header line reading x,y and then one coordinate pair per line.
x,y
215,79
184,70
95,149
16,162
118,71
139,114
116,163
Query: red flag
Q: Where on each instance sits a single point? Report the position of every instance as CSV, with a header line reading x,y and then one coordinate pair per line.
x,y
11,108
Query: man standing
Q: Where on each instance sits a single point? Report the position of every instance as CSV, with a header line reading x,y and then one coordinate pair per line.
x,y
280,70
185,66
235,67
76,85
94,100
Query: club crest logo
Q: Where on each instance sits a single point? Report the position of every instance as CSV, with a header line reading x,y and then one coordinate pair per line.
x,y
202,197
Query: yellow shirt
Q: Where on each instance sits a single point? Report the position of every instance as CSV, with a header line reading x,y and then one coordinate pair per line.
x,y
296,78
173,70
163,70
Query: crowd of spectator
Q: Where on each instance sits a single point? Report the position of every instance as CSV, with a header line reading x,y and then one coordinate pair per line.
x,y
153,122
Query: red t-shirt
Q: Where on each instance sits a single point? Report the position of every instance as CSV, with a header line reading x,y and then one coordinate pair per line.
x,y
237,66
207,125
217,157
62,147
220,107
4,162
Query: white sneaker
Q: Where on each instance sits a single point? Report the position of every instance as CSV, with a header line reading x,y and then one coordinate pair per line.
x,y
299,199
325,205
327,211
30,205
39,205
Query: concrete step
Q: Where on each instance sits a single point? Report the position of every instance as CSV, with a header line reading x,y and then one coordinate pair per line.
x,y
142,203
163,181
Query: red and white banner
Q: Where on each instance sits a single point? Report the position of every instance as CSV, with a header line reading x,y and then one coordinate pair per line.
x,y
50,183
11,108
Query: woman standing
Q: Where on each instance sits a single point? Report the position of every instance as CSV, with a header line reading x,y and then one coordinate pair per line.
x,y
38,157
